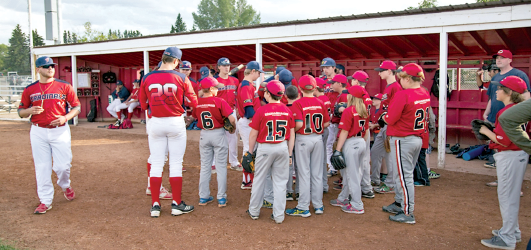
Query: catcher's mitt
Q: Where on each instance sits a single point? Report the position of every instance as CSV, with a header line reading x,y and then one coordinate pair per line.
x,y
336,109
476,126
337,160
188,120
248,162
228,126
387,146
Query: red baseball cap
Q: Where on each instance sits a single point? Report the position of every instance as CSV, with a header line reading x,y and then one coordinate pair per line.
x,y
386,65
209,82
503,52
412,69
357,91
360,75
307,82
378,96
275,88
340,79
514,83
320,83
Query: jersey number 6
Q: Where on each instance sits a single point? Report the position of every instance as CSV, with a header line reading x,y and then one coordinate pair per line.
x,y
276,130
206,120
164,94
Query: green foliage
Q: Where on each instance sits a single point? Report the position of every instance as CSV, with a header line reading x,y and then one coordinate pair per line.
x,y
92,35
180,25
484,1
214,14
37,39
425,4
3,55
18,53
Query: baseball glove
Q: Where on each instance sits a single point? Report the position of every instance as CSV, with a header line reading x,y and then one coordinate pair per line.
x,y
188,120
387,146
337,160
476,126
336,109
248,162
228,126
381,121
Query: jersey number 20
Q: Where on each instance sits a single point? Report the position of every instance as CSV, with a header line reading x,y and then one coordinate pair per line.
x,y
276,130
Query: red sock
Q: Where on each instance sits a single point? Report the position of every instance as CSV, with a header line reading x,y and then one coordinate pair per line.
x,y
176,188
129,116
251,176
155,183
119,114
149,168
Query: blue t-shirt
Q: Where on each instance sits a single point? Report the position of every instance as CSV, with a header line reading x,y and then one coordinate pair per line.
x,y
496,105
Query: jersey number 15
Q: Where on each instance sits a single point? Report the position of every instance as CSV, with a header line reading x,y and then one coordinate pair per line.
x,y
276,130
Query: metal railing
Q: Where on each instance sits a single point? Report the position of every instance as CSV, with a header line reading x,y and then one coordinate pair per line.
x,y
13,85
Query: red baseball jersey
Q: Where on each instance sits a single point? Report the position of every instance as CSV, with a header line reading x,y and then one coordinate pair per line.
x,y
247,96
165,92
312,113
195,85
52,97
407,113
134,94
388,94
341,99
210,112
273,123
353,123
228,93
374,119
501,137
327,103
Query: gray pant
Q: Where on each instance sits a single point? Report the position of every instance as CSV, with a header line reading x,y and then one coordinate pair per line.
x,y
309,152
289,185
404,155
377,154
325,155
274,159
366,166
510,167
332,136
213,143
353,151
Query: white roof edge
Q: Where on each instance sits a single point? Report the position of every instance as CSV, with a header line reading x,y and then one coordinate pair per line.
x,y
451,21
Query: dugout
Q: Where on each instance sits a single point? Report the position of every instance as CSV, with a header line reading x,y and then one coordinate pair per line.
x,y
457,38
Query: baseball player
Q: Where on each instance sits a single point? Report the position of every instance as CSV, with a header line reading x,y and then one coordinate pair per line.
x,y
247,102
511,164
328,68
352,143
120,95
164,91
271,126
210,112
361,78
406,121
228,93
292,94
131,102
386,71
311,119
186,68
319,92
420,173
46,101
339,85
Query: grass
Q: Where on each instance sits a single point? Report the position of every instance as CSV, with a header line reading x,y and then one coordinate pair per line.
x,y
5,246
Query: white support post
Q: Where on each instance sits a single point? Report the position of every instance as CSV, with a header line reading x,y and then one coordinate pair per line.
x,y
32,58
146,62
259,60
73,59
59,32
443,66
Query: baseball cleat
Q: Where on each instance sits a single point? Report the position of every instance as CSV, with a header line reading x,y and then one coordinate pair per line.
x,y
297,196
338,187
403,218
247,186
394,208
384,189
338,181
496,242
204,201
237,168
252,216
298,212
267,204
351,210
117,123
338,203
164,193
273,219
155,211
181,209
368,195
319,210
42,208
433,175
222,202
495,233
69,194
289,196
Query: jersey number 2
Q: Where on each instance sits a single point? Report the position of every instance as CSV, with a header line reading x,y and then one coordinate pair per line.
x,y
276,130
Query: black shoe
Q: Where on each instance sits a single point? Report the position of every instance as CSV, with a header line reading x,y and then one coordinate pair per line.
x,y
181,209
368,195
155,211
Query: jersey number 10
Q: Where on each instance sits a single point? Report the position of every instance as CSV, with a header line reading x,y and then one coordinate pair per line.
x,y
317,120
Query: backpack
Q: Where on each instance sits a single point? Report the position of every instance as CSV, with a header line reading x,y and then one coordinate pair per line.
x,y
435,86
91,117
109,77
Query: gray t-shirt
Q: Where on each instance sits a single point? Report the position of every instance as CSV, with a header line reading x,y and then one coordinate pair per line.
x,y
496,105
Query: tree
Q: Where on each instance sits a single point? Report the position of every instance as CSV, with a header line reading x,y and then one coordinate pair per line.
x,y
180,25
37,39
426,4
215,14
18,53
3,55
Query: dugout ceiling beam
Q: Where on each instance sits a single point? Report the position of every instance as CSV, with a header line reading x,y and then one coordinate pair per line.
x,y
458,45
348,44
412,46
480,42
505,40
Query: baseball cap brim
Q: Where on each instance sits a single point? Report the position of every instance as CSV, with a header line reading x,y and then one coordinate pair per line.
x,y
380,69
350,77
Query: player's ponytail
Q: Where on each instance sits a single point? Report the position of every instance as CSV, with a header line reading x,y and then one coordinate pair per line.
x,y
359,105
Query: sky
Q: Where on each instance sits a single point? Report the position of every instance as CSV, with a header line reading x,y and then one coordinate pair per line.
x,y
156,17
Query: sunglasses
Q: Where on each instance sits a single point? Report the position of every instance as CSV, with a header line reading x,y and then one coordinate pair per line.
x,y
48,66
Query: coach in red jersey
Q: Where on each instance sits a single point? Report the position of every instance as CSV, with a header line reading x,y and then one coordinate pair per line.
x,y
228,93
165,90
46,101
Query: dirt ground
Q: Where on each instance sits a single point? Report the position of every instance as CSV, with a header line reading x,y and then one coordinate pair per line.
x,y
111,209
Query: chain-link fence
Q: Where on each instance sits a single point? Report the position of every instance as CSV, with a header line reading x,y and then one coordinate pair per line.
x,y
467,79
